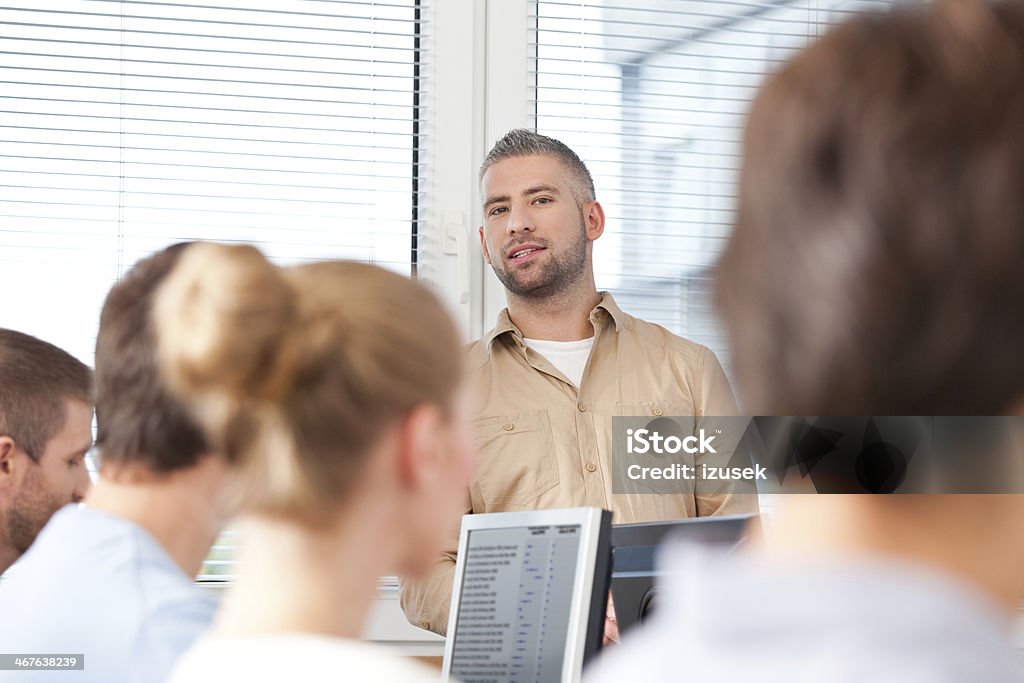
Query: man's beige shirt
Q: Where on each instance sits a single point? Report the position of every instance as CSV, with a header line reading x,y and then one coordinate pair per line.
x,y
544,443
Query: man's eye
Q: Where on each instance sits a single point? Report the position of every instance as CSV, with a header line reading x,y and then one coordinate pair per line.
x,y
542,200
497,210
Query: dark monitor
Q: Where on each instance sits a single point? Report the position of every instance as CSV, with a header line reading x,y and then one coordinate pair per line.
x,y
634,552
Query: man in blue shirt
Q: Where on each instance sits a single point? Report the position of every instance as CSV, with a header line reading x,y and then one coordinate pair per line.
x,y
112,580
45,432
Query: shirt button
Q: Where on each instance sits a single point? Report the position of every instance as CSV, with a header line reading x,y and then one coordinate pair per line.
x,y
424,624
657,411
508,426
582,407
591,467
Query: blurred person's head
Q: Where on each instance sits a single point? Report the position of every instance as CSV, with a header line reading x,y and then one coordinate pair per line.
x,y
874,267
541,217
335,387
140,425
45,433
156,466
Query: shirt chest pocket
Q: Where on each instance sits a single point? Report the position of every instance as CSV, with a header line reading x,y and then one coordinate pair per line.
x,y
667,419
655,409
517,459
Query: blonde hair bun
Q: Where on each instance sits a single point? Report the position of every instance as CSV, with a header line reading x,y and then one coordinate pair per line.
x,y
227,324
295,373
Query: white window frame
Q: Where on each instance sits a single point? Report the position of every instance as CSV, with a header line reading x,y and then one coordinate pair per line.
x,y
479,84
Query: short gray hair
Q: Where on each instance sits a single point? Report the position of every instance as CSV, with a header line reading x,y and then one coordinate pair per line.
x,y
520,142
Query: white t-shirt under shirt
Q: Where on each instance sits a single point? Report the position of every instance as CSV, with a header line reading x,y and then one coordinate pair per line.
x,y
295,657
569,357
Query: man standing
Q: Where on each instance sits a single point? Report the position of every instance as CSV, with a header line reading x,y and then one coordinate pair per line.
x,y
45,432
563,359
113,579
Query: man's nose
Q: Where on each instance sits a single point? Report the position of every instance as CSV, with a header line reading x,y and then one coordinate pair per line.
x,y
519,220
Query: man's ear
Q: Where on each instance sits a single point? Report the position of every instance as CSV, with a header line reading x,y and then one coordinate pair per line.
x,y
7,450
593,220
419,445
483,247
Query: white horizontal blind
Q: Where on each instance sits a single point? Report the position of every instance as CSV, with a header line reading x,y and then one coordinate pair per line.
x,y
652,94
126,126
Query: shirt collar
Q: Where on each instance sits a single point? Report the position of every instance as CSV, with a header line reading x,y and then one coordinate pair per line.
x,y
607,303
606,306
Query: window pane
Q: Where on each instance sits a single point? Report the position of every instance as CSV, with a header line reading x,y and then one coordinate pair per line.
x,y
129,126
652,95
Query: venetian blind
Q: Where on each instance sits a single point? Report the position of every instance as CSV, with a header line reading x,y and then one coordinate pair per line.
x,y
652,95
126,126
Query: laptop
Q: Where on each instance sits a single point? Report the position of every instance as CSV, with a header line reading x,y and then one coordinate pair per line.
x,y
635,572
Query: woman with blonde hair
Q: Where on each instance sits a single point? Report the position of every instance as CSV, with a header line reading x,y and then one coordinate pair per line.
x,y
336,389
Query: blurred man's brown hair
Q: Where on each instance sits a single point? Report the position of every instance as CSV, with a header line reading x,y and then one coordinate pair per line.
x,y
36,380
876,262
138,420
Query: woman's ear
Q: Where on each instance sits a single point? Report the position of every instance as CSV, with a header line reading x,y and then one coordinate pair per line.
x,y
419,445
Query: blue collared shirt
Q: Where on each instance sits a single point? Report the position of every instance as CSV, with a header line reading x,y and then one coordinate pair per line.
x,y
97,585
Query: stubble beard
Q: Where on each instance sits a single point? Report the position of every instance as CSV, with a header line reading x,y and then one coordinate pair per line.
x,y
558,274
31,509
